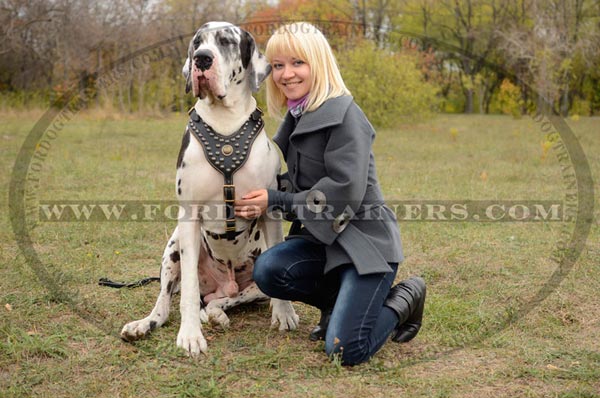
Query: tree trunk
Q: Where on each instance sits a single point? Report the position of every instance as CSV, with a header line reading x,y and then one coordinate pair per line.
x,y
564,105
469,100
141,92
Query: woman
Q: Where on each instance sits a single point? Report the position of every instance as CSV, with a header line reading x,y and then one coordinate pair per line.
x,y
344,246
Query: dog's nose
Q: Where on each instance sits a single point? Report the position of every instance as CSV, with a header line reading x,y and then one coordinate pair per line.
x,y
203,59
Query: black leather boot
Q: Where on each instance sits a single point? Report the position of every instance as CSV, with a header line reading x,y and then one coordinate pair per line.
x,y
407,299
319,331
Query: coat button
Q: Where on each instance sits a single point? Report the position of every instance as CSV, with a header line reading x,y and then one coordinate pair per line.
x,y
285,185
341,222
316,201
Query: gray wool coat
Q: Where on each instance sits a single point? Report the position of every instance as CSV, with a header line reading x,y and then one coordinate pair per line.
x,y
331,187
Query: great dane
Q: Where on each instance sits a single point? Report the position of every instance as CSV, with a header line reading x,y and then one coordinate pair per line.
x,y
210,255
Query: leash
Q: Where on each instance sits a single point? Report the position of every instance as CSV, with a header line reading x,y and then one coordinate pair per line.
x,y
118,285
227,154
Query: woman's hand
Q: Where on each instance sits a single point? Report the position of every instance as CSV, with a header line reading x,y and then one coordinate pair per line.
x,y
252,205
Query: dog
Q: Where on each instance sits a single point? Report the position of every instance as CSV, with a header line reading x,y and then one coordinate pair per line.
x,y
210,260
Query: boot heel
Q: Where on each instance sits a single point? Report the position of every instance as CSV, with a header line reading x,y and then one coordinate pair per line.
x,y
320,331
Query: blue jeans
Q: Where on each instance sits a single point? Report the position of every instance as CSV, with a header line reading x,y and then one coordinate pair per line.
x,y
360,323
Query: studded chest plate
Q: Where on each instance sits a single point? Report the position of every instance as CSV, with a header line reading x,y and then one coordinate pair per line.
x,y
227,154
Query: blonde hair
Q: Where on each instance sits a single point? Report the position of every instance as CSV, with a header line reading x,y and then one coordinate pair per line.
x,y
305,42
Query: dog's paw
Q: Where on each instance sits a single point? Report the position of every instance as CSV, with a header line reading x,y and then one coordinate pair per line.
x,y
137,329
284,315
192,341
217,316
203,316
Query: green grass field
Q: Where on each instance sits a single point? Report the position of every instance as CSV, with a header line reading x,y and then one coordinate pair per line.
x,y
486,331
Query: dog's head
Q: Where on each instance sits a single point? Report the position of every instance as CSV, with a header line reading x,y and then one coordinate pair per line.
x,y
222,56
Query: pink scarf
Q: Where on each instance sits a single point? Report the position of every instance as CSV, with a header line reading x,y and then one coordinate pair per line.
x,y
296,107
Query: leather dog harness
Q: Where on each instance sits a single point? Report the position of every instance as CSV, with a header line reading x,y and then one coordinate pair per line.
x,y
227,154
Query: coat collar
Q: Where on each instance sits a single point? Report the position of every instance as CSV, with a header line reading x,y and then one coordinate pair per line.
x,y
330,113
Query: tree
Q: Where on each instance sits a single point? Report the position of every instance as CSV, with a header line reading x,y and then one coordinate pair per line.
x,y
550,48
465,32
409,98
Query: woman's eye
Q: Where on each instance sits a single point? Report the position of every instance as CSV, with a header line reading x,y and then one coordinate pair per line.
x,y
298,62
277,66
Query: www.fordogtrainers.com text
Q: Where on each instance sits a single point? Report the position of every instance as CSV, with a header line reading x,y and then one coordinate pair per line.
x,y
160,211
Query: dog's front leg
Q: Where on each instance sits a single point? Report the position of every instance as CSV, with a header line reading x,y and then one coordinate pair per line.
x,y
282,311
190,336
170,275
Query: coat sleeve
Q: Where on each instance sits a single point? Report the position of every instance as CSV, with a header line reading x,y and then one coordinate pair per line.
x,y
327,208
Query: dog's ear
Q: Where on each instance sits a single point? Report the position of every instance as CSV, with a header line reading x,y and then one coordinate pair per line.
x,y
187,73
187,67
257,66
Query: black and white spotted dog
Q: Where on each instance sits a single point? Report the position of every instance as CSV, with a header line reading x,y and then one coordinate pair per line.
x,y
208,259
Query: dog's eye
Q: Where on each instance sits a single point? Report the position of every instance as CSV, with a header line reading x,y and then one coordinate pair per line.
x,y
225,41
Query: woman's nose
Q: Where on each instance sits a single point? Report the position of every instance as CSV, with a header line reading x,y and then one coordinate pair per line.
x,y
287,72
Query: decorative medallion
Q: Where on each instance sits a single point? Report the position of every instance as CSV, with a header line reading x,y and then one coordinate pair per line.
x,y
227,150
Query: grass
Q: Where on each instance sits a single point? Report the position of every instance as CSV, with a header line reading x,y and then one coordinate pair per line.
x,y
482,336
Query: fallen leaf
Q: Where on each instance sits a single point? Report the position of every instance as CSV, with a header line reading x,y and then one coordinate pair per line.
x,y
454,133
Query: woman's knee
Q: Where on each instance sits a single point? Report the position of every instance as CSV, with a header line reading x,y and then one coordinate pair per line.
x,y
347,354
263,273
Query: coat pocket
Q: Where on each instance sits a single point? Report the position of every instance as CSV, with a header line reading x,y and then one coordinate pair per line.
x,y
309,172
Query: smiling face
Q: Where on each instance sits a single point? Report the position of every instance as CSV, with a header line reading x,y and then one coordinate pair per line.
x,y
291,75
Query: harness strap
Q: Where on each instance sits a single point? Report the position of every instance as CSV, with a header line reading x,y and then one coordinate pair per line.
x,y
227,154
